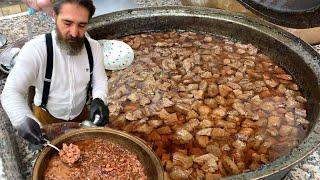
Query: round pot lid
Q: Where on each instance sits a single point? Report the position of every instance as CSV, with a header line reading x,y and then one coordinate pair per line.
x,y
8,59
117,54
289,13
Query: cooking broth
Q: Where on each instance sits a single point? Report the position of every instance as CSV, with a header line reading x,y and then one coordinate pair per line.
x,y
208,106
99,159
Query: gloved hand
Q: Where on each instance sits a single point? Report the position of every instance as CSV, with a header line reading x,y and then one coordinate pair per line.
x,y
98,107
30,131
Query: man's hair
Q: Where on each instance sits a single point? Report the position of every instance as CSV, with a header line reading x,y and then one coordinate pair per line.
x,y
88,4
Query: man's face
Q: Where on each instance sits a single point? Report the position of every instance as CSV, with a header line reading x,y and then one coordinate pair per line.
x,y
71,25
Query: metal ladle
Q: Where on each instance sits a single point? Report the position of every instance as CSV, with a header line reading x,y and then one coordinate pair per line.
x,y
88,123
3,40
48,143
84,124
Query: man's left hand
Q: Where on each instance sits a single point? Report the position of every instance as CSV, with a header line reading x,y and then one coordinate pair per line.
x,y
99,108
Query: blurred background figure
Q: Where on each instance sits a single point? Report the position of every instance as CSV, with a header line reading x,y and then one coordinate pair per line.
x,y
39,5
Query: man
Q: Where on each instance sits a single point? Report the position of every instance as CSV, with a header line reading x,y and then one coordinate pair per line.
x,y
67,88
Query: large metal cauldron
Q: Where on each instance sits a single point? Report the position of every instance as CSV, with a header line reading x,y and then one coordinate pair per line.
x,y
295,56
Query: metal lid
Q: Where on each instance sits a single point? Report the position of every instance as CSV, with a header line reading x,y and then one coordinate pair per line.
x,y
289,13
3,40
117,54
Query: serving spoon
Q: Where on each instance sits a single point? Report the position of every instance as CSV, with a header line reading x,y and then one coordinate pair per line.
x,y
84,124
48,143
88,123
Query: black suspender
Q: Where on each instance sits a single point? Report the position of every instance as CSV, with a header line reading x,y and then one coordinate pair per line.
x,y
47,78
49,67
90,57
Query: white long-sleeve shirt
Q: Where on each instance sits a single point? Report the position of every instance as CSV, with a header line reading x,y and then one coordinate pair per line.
x,y
70,77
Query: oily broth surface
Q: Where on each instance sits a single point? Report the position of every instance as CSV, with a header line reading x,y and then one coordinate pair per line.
x,y
209,107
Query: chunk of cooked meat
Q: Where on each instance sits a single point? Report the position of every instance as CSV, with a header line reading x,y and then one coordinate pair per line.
x,y
69,153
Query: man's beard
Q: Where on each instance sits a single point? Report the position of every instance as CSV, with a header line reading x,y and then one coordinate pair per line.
x,y
71,45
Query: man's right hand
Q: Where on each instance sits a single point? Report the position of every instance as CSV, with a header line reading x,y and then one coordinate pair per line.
x,y
30,130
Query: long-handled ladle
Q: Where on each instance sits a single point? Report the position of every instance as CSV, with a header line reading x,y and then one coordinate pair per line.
x,y
48,143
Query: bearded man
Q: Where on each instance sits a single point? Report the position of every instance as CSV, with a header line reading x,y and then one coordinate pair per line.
x,y
65,67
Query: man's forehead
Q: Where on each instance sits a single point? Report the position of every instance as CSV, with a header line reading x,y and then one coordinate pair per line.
x,y
74,13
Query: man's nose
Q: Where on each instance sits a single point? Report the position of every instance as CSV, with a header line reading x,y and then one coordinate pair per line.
x,y
74,31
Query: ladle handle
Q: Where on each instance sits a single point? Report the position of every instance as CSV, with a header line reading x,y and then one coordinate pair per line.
x,y
48,143
88,123
96,118
54,147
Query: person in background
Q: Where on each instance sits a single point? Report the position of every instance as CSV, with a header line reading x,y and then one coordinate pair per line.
x,y
39,5
75,63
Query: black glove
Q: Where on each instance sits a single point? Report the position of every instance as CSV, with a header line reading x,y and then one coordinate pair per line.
x,y
98,107
30,131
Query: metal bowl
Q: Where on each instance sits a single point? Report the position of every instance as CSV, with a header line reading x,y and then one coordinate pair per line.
x,y
7,57
144,153
3,40
295,56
